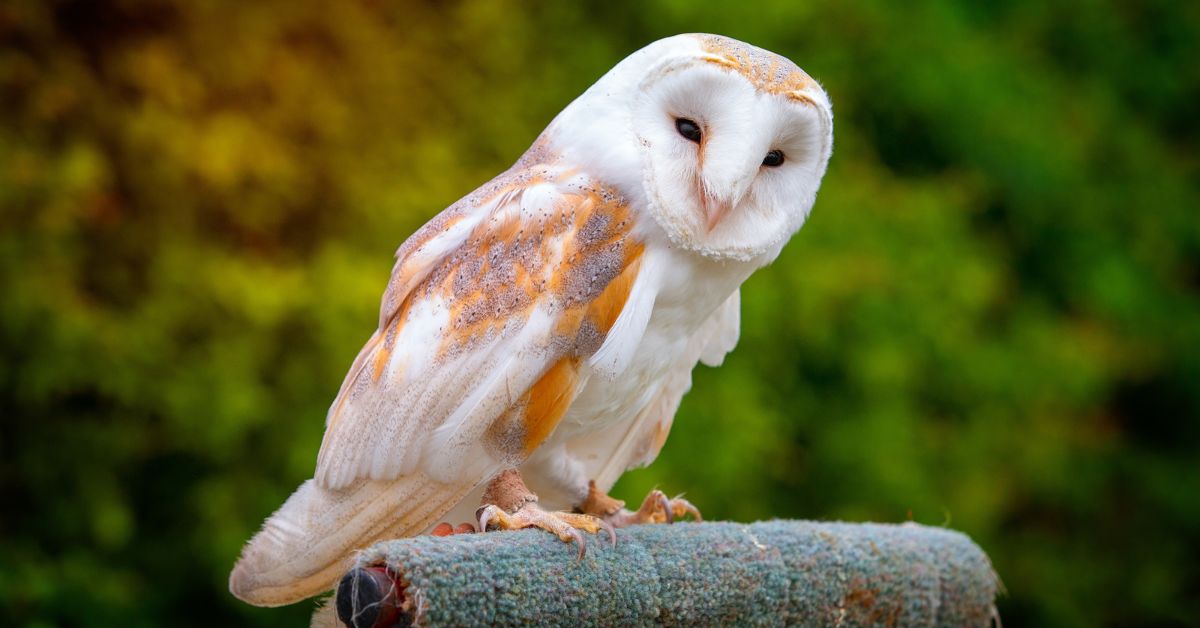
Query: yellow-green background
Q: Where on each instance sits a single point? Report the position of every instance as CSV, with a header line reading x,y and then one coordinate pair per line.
x,y
991,321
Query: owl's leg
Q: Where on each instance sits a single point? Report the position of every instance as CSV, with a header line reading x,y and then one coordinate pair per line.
x,y
509,505
656,508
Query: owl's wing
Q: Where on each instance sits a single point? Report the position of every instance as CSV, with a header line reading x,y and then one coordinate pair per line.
x,y
637,442
491,311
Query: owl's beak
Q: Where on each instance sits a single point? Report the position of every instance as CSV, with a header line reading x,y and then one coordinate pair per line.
x,y
717,206
714,210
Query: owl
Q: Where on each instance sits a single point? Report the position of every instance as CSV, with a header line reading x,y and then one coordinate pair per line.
x,y
536,337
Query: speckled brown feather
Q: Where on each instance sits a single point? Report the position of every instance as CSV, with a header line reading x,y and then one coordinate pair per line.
x,y
768,72
566,251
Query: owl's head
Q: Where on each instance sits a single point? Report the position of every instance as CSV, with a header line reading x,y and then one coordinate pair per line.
x,y
728,141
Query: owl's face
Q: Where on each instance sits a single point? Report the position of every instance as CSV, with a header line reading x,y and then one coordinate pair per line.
x,y
731,141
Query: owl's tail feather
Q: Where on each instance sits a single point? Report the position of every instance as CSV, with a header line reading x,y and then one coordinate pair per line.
x,y
306,546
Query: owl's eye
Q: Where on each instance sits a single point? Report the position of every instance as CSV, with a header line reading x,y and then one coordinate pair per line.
x,y
688,129
773,159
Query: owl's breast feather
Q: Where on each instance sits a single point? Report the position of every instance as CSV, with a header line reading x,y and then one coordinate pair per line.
x,y
682,303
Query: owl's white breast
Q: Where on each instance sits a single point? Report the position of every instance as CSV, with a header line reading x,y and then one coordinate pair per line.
x,y
689,290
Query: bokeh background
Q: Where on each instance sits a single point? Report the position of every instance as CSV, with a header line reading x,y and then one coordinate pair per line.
x,y
990,322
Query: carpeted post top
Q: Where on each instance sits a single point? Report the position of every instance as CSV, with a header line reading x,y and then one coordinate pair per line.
x,y
767,573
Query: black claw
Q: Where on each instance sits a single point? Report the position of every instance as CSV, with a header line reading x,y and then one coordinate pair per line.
x,y
666,506
692,510
612,532
485,517
582,543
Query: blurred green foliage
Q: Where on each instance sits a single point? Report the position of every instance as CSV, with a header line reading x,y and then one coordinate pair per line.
x,y
992,319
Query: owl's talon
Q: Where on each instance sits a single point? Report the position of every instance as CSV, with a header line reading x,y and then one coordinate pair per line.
x,y
656,508
578,537
566,526
612,532
665,504
486,514
681,507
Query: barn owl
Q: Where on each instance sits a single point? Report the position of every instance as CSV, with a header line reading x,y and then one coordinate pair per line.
x,y
536,337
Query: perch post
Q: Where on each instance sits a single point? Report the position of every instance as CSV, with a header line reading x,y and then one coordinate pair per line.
x,y
767,573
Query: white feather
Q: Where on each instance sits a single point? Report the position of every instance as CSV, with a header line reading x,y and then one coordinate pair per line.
x,y
727,328
622,342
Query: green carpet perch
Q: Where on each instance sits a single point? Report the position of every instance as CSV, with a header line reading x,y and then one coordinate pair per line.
x,y
768,573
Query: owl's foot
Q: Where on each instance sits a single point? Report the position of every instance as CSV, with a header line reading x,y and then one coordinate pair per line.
x,y
565,525
656,508
445,529
509,505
